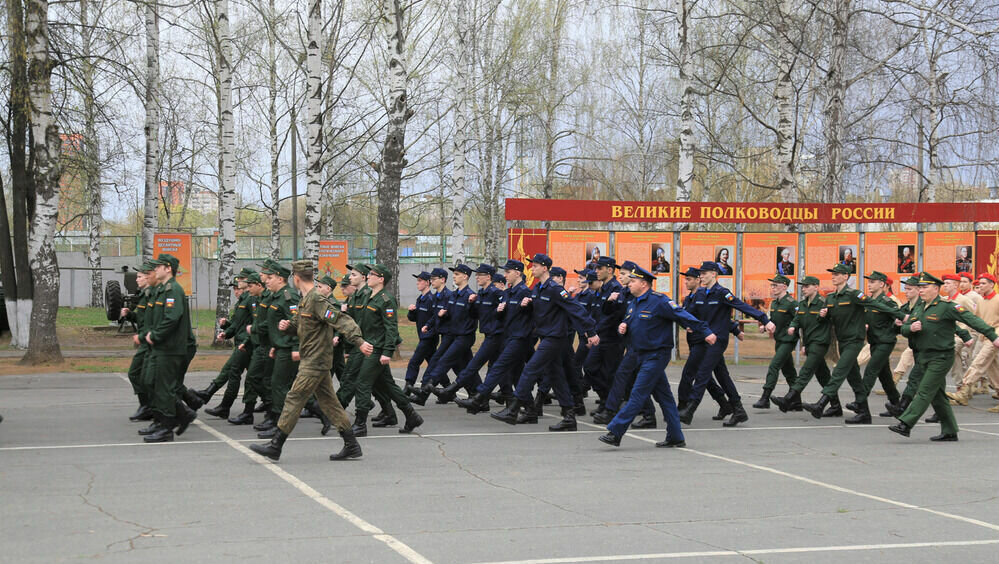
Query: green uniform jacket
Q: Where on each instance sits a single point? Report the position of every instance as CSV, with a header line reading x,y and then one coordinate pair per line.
x,y
847,313
317,321
939,319
881,328
242,315
379,322
782,313
260,336
813,329
354,307
168,321
138,315
284,305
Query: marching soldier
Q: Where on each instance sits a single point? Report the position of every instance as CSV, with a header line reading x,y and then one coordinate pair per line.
x,y
233,328
782,311
284,346
456,352
138,317
881,335
420,313
258,373
907,363
602,360
985,363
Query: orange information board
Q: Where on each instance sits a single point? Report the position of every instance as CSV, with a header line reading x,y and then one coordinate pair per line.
x,y
823,250
891,253
178,245
573,250
333,257
696,248
653,251
949,252
764,255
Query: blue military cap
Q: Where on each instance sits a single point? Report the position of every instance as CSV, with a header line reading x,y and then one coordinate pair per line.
x,y
462,268
640,272
485,269
423,275
558,271
438,273
692,272
606,261
512,264
709,266
628,265
499,278
542,259
591,276
584,272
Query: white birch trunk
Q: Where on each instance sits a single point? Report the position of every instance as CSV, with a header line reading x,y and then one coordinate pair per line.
x,y
91,160
43,343
835,86
933,176
784,95
685,141
314,121
150,215
460,136
227,170
272,129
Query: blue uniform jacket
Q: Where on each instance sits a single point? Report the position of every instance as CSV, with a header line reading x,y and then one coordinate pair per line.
x,y
458,312
650,319
423,315
611,313
517,321
694,338
439,324
714,306
484,309
554,310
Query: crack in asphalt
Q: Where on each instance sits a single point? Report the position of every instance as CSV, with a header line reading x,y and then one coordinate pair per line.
x,y
145,531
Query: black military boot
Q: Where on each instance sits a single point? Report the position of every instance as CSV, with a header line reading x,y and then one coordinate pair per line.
x,y
184,417
901,428
835,408
764,401
897,410
852,406
327,424
784,403
360,427
272,449
142,414
413,419
262,408
152,428
445,395
221,410
568,422
578,407
862,417
245,418
509,413
932,418
603,416
646,422
671,443
351,448
268,422
408,388
419,397
530,413
739,415
724,410
474,404
610,439
499,397
206,395
191,399
816,408
163,433
687,413
539,404
387,418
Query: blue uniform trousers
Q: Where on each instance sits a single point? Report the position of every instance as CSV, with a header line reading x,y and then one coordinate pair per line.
x,y
705,359
624,378
507,366
488,351
600,366
547,359
687,381
650,381
442,348
425,349
457,355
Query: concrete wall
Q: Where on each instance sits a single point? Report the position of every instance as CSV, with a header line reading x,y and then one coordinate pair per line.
x,y
74,289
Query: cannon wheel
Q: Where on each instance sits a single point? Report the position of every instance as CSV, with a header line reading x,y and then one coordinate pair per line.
x,y
114,299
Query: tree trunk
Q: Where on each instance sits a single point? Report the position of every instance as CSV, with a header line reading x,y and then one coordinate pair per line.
x,y
933,177
784,94
150,215
551,115
394,152
835,126
272,122
43,343
685,142
227,172
462,30
314,130
91,160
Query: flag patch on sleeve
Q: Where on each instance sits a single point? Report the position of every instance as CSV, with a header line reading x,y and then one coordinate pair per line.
x,y
389,312
729,296
330,314
959,307
169,302
564,294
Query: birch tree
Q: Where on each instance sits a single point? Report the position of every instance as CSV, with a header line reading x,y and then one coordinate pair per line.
x,y
227,170
43,344
685,67
91,157
314,121
462,31
150,216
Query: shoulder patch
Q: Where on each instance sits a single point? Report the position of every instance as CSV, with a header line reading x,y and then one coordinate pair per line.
x,y
389,313
960,308
860,295
330,314
729,296
564,294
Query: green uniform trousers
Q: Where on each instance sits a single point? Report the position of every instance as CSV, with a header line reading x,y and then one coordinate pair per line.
x,y
373,376
232,373
135,375
282,376
879,368
309,382
188,357
936,365
782,362
814,365
167,375
258,376
846,369
914,378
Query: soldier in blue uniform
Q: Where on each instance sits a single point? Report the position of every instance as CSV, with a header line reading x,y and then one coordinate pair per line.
x,y
420,313
714,306
441,325
650,319
553,310
602,360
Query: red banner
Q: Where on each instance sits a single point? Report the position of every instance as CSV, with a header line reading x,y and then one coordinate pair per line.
x,y
523,209
987,247
523,244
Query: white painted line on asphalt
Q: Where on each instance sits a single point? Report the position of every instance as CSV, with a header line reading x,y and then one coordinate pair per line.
x,y
963,428
395,544
750,552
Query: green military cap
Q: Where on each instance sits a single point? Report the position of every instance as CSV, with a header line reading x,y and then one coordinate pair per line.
x,y
244,272
267,266
276,268
328,280
254,278
147,266
170,260
875,275
925,279
345,281
911,281
840,269
781,279
809,281
362,268
234,283
381,270
303,267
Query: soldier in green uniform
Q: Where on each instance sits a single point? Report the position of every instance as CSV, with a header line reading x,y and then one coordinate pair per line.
x,y
314,325
233,328
881,335
377,317
168,333
931,328
846,310
258,373
326,286
782,311
815,331
284,346
137,316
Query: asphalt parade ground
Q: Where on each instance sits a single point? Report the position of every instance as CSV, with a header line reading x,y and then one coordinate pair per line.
x,y
78,484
